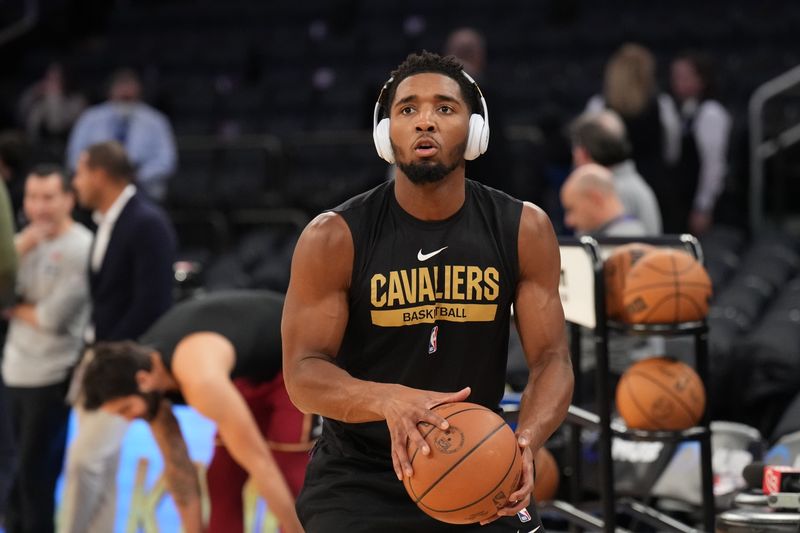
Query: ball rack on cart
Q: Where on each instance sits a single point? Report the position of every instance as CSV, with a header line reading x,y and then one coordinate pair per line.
x,y
583,296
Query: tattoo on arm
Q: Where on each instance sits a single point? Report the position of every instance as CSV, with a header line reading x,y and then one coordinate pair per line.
x,y
179,472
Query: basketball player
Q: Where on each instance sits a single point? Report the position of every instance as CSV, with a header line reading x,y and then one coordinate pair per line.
x,y
400,299
221,354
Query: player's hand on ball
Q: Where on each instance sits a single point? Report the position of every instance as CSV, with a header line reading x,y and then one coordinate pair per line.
x,y
521,498
406,408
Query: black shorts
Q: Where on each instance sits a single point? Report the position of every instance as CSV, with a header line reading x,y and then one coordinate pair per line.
x,y
355,495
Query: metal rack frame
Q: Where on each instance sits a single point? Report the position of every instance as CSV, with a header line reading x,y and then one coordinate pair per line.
x,y
601,420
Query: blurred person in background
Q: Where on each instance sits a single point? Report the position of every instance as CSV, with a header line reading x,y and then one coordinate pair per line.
x,y
600,137
8,270
592,206
706,130
14,156
650,117
131,282
144,131
43,343
492,168
48,109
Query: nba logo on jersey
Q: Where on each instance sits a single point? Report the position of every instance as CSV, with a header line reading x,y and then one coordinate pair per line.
x,y
524,516
434,343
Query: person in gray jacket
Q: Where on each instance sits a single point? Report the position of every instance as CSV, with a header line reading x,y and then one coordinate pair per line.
x,y
600,137
43,343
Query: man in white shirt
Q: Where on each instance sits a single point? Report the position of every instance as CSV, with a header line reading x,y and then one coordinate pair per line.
x,y
43,343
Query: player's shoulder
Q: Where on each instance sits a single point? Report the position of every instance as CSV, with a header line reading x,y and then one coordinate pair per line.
x,y
327,233
534,220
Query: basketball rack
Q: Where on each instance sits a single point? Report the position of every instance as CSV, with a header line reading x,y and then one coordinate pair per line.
x,y
583,295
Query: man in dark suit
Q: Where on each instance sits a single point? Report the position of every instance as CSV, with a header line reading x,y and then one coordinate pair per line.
x,y
130,276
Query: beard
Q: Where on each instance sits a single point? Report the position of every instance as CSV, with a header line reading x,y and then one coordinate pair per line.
x,y
422,172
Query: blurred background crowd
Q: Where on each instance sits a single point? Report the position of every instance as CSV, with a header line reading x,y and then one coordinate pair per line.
x,y
244,118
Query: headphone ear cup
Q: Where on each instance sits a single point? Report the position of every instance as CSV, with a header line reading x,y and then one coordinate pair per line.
x,y
477,138
383,143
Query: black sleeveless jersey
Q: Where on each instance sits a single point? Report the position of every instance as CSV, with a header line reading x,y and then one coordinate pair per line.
x,y
250,320
429,301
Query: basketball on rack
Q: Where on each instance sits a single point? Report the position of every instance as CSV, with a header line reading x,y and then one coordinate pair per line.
x,y
666,286
660,393
472,468
615,270
545,486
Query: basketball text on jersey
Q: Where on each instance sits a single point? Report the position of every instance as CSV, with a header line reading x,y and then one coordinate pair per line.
x,y
433,345
454,293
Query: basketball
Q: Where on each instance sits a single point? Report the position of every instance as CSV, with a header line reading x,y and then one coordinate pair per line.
x,y
545,485
615,270
472,467
666,286
660,393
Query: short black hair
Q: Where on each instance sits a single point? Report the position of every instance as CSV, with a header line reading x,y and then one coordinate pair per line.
x,y
605,146
418,63
111,157
111,374
42,170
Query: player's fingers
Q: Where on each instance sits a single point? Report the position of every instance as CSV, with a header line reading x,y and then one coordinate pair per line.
x,y
396,465
514,508
417,440
526,481
450,397
403,461
431,417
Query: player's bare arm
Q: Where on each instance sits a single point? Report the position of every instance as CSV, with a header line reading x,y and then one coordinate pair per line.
x,y
315,316
179,472
540,322
206,387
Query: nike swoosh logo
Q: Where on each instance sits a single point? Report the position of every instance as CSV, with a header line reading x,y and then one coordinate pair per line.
x,y
425,257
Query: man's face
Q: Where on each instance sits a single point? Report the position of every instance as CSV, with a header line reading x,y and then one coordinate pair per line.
x,y
128,407
686,83
144,405
46,203
87,183
580,209
429,125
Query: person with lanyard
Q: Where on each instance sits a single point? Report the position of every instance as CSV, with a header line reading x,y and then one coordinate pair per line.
x,y
592,206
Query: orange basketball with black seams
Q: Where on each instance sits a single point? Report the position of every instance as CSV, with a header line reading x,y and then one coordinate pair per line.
x,y
661,393
472,469
615,272
664,287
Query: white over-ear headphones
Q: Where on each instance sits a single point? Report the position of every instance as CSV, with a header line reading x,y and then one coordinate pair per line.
x,y
477,138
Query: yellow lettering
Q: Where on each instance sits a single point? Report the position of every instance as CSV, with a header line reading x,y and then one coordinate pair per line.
x,y
377,282
474,277
491,277
426,292
395,289
458,281
447,269
439,294
410,289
